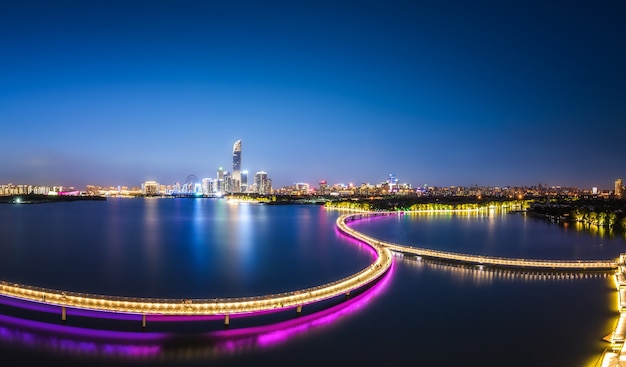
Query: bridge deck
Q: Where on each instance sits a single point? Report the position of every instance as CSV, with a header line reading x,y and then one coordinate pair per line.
x,y
576,265
224,306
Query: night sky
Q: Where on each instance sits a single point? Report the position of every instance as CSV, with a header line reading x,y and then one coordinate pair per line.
x,y
438,92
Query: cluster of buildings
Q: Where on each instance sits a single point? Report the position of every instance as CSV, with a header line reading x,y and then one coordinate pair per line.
x,y
225,182
238,181
388,188
392,187
11,189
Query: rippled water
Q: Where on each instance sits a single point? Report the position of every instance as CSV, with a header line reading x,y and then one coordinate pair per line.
x,y
422,313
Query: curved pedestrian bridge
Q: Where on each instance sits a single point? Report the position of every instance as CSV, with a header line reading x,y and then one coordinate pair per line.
x,y
213,306
249,305
479,260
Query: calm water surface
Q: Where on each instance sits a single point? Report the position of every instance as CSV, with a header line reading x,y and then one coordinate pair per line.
x,y
174,248
421,313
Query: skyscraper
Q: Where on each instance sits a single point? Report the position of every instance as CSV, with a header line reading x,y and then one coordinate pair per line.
x,y
236,177
393,182
262,183
220,180
244,181
618,188
228,182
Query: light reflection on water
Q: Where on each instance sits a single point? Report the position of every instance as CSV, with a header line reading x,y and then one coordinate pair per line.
x,y
173,248
154,345
308,247
485,276
494,233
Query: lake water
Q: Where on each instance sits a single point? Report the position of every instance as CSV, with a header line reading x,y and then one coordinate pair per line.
x,y
420,313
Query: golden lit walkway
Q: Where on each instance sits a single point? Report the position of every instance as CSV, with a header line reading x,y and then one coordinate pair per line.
x,y
574,265
615,355
224,306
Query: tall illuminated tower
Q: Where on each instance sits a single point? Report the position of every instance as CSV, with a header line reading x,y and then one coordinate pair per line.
x,y
618,188
236,177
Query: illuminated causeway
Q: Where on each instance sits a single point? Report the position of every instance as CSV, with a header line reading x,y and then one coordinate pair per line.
x,y
479,260
247,305
225,307
214,306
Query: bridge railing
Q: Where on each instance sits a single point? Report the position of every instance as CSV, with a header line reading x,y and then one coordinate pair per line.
x,y
354,278
195,300
449,255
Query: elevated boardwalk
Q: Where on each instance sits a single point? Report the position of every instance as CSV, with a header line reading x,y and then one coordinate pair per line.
x,y
214,306
614,356
479,260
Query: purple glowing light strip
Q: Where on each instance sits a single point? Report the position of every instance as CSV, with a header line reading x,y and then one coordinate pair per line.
x,y
354,241
42,307
70,311
59,329
149,344
82,341
357,242
267,335
77,346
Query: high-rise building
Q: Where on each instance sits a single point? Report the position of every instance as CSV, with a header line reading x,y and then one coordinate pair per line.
x,y
208,186
302,188
618,188
262,183
150,188
219,186
393,182
244,181
236,176
323,188
228,182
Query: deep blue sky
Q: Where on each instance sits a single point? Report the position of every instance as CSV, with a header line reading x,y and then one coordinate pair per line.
x,y
438,92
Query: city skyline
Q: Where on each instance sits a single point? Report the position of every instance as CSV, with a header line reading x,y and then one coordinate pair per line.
x,y
225,181
492,94
236,181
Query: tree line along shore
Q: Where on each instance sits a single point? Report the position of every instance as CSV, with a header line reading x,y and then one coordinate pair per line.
x,y
601,212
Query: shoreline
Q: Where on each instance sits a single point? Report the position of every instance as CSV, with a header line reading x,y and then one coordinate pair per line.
x,y
41,199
